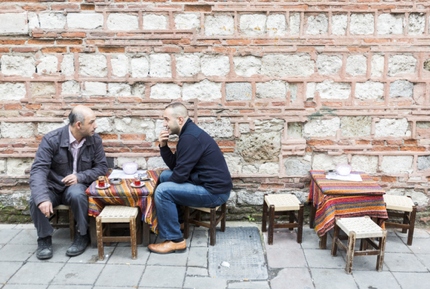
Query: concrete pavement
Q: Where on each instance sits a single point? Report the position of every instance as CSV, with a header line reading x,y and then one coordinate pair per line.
x,y
289,264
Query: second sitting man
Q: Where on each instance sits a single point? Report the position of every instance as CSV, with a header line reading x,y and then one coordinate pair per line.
x,y
198,176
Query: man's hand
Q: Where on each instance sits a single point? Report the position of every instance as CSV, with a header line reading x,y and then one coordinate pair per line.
x,y
163,138
70,180
46,208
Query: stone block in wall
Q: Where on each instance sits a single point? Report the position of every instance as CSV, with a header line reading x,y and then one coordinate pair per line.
x,y
423,163
13,23
92,65
18,167
47,65
390,24
234,163
118,89
339,24
362,24
43,89
416,23
52,20
321,127
45,127
401,88
67,65
329,89
259,147
85,20
297,166
119,65
368,164
122,22
329,64
271,89
204,90
18,65
247,65
269,169
401,64
187,21
159,65
295,23
377,65
3,166
369,90
276,25
356,65
70,87
17,130
138,89
248,198
316,24
92,88
10,91
327,162
187,64
238,91
252,24
216,128
396,164
390,127
165,91
156,163
135,125
281,65
215,65
356,126
155,22
219,24
139,65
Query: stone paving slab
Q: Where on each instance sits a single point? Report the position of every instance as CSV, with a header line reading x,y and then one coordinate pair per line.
x,y
288,264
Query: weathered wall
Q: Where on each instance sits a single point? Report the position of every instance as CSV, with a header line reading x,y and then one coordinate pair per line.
x,y
284,86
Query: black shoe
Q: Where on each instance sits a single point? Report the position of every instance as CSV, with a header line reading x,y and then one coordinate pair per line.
x,y
79,245
44,248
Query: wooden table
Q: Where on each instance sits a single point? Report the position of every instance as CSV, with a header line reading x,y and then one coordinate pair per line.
x,y
334,198
126,195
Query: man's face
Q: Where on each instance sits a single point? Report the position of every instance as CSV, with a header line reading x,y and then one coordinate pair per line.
x,y
171,122
88,127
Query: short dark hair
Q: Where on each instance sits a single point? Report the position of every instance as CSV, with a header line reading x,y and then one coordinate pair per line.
x,y
76,116
178,108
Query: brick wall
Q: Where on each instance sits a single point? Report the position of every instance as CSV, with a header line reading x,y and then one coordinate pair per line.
x,y
283,86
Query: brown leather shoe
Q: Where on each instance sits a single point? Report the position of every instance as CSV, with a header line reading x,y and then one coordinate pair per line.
x,y
168,247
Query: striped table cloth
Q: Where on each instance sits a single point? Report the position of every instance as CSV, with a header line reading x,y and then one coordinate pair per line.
x,y
334,198
126,195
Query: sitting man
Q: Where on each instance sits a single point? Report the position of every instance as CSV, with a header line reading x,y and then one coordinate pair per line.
x,y
198,176
67,161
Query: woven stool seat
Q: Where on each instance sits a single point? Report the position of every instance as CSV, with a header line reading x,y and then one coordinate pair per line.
x,y
359,228
117,214
401,207
279,204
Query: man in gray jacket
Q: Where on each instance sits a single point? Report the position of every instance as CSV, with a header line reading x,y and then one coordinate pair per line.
x,y
67,161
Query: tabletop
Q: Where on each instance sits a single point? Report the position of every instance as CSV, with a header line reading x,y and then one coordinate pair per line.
x,y
335,198
126,195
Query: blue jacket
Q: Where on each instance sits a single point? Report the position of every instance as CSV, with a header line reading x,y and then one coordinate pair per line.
x,y
54,161
198,160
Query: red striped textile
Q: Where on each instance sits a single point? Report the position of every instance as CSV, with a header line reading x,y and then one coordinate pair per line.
x,y
126,195
333,198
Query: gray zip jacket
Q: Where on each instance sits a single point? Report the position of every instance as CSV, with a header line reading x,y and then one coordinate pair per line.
x,y
54,161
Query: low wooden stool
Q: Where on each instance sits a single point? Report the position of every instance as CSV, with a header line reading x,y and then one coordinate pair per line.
x,y
401,207
55,219
214,218
282,204
359,228
117,214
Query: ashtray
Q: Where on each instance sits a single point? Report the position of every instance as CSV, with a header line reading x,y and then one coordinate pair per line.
x,y
115,181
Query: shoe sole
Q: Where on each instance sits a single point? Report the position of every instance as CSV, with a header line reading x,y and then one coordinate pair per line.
x,y
173,251
44,258
74,254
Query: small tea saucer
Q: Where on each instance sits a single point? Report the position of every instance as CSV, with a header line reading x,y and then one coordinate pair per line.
x,y
103,188
134,186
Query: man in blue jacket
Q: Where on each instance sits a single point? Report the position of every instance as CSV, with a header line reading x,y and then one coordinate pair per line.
x,y
198,176
67,161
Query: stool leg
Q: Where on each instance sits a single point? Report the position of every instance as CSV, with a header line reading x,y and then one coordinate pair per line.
x,y
133,237
381,248
412,225
264,218
186,222
334,241
99,231
300,224
271,224
223,216
291,218
212,227
350,252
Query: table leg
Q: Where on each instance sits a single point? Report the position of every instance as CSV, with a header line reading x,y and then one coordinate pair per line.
x,y
312,216
146,234
93,232
323,241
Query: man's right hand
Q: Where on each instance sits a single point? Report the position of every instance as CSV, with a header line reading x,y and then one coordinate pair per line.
x,y
163,138
46,208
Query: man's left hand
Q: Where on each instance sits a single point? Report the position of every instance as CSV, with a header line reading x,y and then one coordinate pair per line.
x,y
70,180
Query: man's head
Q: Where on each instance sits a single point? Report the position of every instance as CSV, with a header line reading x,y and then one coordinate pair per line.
x,y
175,115
82,122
